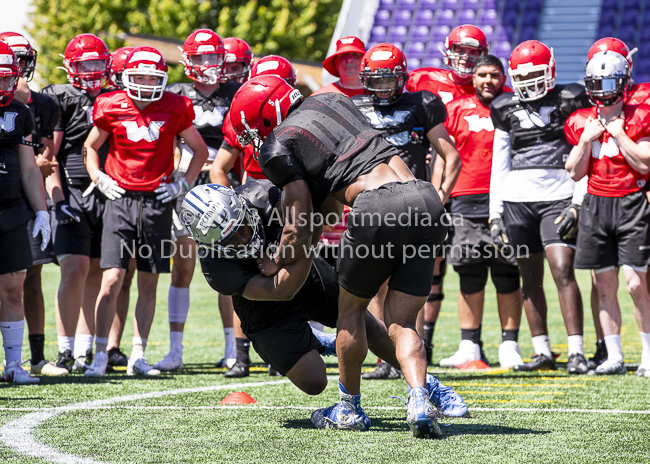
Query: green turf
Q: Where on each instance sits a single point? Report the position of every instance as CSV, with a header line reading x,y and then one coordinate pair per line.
x,y
193,428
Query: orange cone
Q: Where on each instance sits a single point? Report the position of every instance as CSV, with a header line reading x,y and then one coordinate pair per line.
x,y
473,366
238,398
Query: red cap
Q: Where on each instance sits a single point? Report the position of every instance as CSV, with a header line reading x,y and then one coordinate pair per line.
x,y
349,44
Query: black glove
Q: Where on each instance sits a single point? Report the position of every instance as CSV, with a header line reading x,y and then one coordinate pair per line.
x,y
65,214
499,234
568,222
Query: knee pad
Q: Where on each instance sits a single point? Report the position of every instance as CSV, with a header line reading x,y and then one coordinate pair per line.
x,y
505,277
473,277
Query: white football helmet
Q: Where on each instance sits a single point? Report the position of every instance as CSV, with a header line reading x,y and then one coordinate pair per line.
x,y
212,214
607,76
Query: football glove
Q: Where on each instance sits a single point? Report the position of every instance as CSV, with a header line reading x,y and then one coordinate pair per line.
x,y
568,222
65,214
109,187
167,192
42,226
499,234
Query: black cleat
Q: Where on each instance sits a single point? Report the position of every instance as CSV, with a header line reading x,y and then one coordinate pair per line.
x,y
428,349
81,363
117,358
240,369
383,372
483,357
577,364
599,357
540,362
65,360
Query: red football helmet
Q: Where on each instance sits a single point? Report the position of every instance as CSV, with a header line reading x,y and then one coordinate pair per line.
x,y
532,70
275,65
24,52
87,62
611,44
117,65
203,55
10,69
259,106
384,73
145,61
237,51
463,62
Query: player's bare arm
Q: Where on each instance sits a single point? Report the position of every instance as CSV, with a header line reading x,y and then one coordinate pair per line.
x,y
31,177
635,153
443,145
578,162
194,140
95,140
222,164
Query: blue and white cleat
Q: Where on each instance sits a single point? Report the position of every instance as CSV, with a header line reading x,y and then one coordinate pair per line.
x,y
347,415
444,398
421,416
328,340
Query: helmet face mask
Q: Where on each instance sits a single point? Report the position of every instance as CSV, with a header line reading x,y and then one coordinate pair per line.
x,y
607,77
203,56
250,137
87,62
462,59
238,61
384,73
9,73
534,84
25,54
145,61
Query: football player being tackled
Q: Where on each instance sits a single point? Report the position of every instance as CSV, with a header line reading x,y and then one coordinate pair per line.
x,y
612,146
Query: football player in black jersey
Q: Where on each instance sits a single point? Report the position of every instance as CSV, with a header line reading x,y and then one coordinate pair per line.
x,y
203,56
533,200
412,122
20,180
79,207
324,147
46,113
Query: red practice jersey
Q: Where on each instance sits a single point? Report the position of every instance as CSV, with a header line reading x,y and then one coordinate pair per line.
x,y
610,175
141,155
639,93
336,88
251,166
440,82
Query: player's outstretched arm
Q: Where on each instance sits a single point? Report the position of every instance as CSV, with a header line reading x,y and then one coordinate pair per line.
x,y
443,145
222,164
200,152
297,231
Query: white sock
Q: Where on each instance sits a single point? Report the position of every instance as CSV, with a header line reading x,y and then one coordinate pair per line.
x,y
100,344
231,350
614,350
178,304
576,343
139,345
645,357
12,339
176,341
65,343
542,345
82,343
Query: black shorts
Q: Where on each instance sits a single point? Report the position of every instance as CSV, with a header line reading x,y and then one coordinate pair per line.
x,y
471,243
137,225
393,232
284,343
613,231
84,237
531,225
15,250
39,256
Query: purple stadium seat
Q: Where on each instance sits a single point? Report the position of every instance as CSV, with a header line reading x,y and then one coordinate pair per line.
x,y
608,17
510,5
420,33
503,49
398,45
424,18
642,66
629,18
531,18
401,18
527,33
432,63
534,4
631,4
449,4
406,5
397,34
440,33
466,17
606,31
487,17
434,49
382,18
387,5
509,18
378,34
626,35
489,32
504,33
645,37
413,63
445,18
427,5
414,50
469,4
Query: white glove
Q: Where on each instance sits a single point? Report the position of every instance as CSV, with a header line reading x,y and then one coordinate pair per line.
x,y
109,187
42,225
167,192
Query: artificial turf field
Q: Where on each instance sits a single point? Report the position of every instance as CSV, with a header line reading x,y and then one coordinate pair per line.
x,y
544,417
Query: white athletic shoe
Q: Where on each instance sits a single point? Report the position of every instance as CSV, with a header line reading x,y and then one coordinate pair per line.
x,y
98,367
509,355
467,351
171,362
15,373
48,368
141,366
611,367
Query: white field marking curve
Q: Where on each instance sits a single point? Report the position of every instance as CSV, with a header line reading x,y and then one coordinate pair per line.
x,y
18,436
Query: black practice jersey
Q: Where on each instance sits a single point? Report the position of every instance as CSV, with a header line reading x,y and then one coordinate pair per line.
x,y
536,128
46,113
405,124
76,122
209,110
15,124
